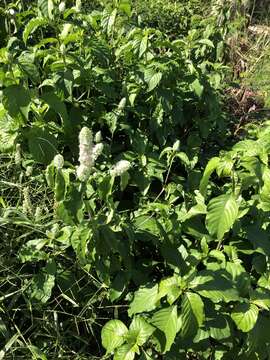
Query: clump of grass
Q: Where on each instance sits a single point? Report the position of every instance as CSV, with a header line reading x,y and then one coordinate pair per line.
x,y
69,323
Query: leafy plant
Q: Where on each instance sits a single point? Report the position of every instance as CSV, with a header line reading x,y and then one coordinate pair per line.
x,y
127,224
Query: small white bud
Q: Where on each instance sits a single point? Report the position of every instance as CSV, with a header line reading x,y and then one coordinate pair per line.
x,y
97,150
29,171
85,137
63,49
18,157
12,12
78,5
98,137
176,145
122,104
58,161
120,168
62,7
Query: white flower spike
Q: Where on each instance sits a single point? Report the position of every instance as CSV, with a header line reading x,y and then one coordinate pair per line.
x,y
120,168
97,150
86,158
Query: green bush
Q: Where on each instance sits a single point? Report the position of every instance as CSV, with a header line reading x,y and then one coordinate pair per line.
x,y
116,234
171,17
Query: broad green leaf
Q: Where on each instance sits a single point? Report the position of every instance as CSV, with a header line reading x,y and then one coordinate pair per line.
x,y
170,287
125,6
210,168
192,313
125,352
113,335
32,250
143,45
139,331
261,298
219,327
59,107
79,241
27,65
245,316
221,215
32,26
225,166
16,100
239,276
264,281
118,285
214,286
41,285
198,209
197,87
145,299
259,335
207,42
8,130
154,80
45,8
111,21
166,321
265,191
42,145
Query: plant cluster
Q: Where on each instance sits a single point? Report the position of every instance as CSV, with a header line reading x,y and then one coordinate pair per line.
x,y
126,232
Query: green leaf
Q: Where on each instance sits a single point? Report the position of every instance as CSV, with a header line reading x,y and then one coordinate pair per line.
x,y
26,64
79,240
125,6
261,298
210,168
42,145
206,42
118,285
124,352
221,215
265,192
145,299
143,45
32,26
32,250
139,331
113,335
219,327
245,316
192,313
197,87
41,285
16,100
111,21
166,321
8,130
198,209
154,81
170,287
46,8
214,286
259,335
59,107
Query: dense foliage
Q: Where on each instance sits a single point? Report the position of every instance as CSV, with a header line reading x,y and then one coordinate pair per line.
x,y
126,232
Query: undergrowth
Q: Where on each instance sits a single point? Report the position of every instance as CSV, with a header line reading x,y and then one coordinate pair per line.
x,y
134,225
